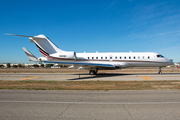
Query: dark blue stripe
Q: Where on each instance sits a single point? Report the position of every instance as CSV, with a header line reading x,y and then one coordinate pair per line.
x,y
103,65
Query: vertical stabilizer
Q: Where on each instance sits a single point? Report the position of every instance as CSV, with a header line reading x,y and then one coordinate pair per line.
x,y
45,45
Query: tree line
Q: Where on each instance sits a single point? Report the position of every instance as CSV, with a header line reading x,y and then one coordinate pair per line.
x,y
9,65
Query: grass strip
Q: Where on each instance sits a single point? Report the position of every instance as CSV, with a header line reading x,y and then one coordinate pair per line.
x,y
89,85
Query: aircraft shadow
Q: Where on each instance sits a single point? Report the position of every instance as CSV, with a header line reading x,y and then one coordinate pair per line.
x,y
100,75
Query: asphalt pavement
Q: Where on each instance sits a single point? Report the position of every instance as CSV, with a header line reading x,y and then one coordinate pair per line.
x,y
86,77
90,105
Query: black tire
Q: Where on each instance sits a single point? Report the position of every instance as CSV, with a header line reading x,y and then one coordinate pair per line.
x,y
159,72
92,72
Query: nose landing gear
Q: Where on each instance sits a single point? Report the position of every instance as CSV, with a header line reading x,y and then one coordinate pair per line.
x,y
159,69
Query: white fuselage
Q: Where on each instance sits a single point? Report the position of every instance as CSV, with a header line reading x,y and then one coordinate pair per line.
x,y
120,60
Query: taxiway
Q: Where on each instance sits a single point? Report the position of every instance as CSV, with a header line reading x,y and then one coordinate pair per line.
x,y
85,77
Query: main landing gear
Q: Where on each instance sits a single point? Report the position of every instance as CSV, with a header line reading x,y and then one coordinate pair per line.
x,y
159,69
93,72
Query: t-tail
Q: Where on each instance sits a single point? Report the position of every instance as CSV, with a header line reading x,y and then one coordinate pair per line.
x,y
45,46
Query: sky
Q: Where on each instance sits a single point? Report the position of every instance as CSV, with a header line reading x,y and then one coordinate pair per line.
x,y
90,26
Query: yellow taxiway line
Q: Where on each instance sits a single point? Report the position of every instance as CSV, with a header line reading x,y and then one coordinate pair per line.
x,y
29,78
147,78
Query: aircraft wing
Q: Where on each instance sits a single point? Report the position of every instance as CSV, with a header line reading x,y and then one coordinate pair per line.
x,y
89,65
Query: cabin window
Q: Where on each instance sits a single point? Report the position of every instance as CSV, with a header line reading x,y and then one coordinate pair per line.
x,y
110,57
88,57
124,57
92,57
129,57
101,57
148,57
143,57
105,57
138,57
134,57
119,57
96,57
115,57
160,56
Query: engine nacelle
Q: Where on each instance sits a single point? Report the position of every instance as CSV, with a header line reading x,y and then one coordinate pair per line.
x,y
67,55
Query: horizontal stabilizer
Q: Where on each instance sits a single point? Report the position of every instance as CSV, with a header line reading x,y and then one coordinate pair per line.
x,y
30,55
18,35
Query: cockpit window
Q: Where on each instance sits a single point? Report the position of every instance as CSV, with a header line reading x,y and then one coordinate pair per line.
x,y
160,56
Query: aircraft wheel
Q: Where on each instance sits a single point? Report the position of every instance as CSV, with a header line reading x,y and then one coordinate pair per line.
x,y
159,72
92,72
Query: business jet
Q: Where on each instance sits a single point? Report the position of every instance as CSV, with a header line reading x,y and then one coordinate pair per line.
x,y
93,61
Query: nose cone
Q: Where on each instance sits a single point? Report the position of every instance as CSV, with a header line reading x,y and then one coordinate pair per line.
x,y
170,62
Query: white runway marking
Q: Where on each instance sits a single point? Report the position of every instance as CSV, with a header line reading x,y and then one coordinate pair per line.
x,y
107,103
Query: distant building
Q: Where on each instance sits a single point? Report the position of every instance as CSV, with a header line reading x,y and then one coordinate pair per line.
x,y
177,64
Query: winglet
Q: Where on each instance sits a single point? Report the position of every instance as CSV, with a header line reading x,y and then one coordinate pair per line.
x,y
30,55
